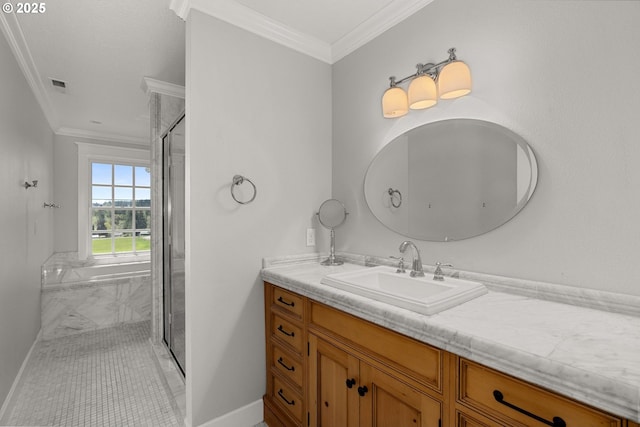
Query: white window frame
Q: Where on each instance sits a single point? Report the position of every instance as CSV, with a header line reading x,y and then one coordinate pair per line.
x,y
87,154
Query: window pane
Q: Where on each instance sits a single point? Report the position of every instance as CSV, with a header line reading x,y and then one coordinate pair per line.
x,y
143,241
123,219
101,173
123,197
143,176
123,175
143,219
124,242
101,243
101,196
115,231
143,197
100,220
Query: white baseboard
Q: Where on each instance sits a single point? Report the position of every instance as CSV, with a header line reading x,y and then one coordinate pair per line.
x,y
247,416
16,381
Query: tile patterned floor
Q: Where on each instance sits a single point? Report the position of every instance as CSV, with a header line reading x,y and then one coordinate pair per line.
x,y
99,378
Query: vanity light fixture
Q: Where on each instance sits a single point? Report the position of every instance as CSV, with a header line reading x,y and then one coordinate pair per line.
x,y
448,79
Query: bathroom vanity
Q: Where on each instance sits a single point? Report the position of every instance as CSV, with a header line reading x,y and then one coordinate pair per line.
x,y
339,359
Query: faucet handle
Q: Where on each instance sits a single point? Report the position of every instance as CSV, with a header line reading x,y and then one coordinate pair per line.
x,y
439,264
438,275
400,264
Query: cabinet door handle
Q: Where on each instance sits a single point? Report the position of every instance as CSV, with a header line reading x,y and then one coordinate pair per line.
x,y
557,421
289,402
289,334
351,382
288,368
362,390
290,304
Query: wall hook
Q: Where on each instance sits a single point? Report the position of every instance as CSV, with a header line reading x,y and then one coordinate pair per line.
x,y
33,184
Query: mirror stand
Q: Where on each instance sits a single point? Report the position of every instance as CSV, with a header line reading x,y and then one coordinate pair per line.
x,y
332,252
332,214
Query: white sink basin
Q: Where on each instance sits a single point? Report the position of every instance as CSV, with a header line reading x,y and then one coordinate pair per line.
x,y
420,294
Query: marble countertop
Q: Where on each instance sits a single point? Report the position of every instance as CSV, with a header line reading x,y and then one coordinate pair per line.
x,y
584,353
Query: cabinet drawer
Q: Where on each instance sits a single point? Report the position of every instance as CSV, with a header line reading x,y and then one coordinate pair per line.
x,y
514,400
287,332
424,361
475,420
288,365
287,398
288,301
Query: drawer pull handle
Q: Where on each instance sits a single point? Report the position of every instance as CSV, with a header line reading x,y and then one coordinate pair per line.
x,y
362,390
289,334
351,382
289,402
557,421
288,368
290,304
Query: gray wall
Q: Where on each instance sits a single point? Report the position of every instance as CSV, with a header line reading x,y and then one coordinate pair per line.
x,y
264,111
564,75
26,153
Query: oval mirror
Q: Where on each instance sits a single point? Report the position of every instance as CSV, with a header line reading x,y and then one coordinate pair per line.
x,y
451,180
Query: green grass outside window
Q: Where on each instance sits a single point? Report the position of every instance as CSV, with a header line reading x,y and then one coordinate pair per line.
x,y
123,244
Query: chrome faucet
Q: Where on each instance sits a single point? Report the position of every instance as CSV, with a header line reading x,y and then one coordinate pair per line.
x,y
416,265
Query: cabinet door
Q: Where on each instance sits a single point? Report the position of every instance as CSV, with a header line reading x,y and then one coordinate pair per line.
x,y
333,378
387,402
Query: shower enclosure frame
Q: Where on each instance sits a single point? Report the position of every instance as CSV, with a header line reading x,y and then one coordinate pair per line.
x,y
173,304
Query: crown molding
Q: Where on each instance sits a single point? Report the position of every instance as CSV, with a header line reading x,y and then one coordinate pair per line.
x,y
252,21
15,37
248,19
150,85
385,18
181,8
87,134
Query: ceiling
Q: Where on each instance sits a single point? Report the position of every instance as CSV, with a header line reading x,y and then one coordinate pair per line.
x,y
102,49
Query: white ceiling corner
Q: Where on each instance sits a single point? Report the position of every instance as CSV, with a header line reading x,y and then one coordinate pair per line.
x,y
13,34
181,8
100,136
390,15
150,85
248,19
244,17
123,114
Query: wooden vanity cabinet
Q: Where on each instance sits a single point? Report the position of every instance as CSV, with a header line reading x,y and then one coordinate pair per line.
x,y
327,368
516,403
351,387
286,348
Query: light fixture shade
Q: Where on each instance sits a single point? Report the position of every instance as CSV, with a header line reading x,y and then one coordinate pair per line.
x,y
394,103
454,80
422,93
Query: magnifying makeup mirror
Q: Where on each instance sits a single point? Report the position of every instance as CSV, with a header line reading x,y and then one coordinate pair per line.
x,y
332,214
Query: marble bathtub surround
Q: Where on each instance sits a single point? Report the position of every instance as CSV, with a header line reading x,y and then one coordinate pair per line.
x,y
81,307
84,295
65,269
526,329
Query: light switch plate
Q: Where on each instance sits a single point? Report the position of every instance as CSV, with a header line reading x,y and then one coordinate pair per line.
x,y
311,236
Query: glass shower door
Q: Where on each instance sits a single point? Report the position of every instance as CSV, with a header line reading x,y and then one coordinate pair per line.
x,y
174,247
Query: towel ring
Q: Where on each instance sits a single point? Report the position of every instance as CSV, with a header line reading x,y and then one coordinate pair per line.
x,y
395,195
239,180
